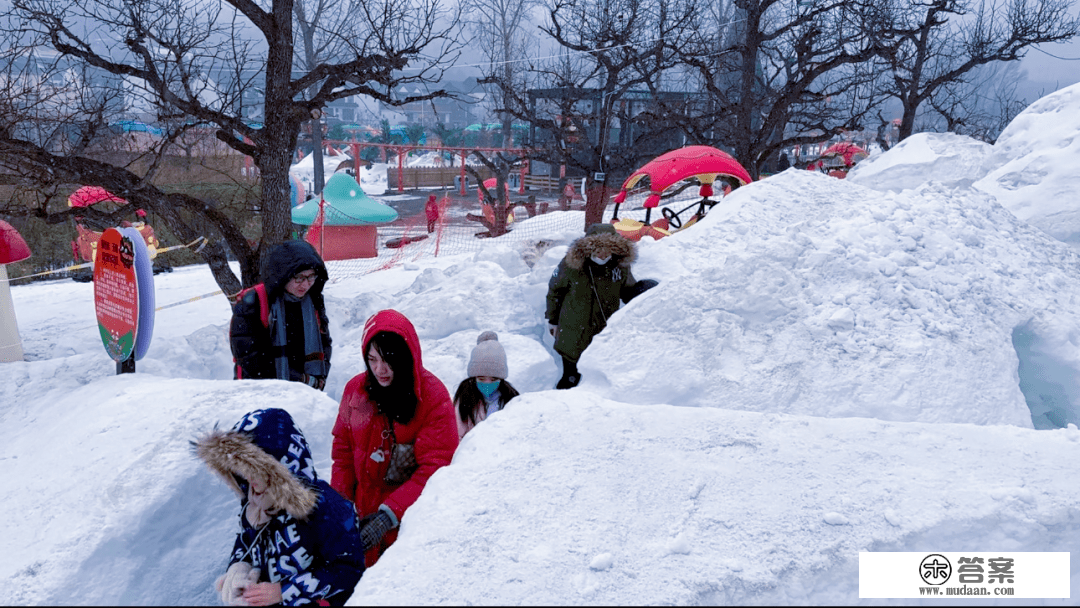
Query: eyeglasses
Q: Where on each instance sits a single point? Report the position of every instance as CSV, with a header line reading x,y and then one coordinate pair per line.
x,y
304,278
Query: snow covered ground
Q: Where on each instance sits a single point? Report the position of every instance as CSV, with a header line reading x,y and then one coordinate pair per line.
x,y
372,180
884,363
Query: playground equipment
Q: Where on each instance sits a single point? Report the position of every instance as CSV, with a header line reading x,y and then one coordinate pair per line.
x,y
670,174
488,206
12,249
342,222
838,159
84,247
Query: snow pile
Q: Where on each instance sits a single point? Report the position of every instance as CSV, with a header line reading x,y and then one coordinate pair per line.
x,y
431,158
811,295
373,180
1031,169
103,494
947,158
1034,172
564,500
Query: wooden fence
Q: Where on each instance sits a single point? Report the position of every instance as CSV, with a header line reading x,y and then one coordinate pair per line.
x,y
431,177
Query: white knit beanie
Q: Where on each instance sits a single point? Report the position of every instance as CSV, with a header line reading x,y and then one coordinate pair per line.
x,y
488,357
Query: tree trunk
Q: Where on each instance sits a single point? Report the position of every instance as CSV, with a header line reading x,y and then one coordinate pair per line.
x,y
596,199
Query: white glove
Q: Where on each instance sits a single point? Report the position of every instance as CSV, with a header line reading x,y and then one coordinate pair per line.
x,y
232,584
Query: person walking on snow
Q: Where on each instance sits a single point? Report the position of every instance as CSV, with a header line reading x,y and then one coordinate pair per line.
x,y
395,427
486,390
431,210
584,291
299,540
279,328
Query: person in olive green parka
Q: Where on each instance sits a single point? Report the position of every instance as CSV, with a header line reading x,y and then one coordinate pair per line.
x,y
585,290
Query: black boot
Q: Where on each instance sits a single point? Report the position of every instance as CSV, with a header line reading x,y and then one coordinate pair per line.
x,y
570,376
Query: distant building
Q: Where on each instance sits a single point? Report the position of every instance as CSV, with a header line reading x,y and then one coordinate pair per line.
x,y
464,106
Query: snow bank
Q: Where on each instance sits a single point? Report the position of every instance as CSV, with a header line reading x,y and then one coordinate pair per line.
x,y
810,295
1033,169
373,180
104,500
581,500
947,158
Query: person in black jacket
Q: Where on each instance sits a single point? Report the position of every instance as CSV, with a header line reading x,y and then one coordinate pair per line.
x,y
279,328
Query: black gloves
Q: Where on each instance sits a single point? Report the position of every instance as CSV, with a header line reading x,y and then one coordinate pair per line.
x,y
374,527
638,288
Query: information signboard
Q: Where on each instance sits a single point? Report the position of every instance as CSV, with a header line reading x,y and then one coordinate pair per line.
x,y
116,294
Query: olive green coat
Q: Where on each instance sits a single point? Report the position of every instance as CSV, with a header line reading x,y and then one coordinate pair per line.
x,y
582,295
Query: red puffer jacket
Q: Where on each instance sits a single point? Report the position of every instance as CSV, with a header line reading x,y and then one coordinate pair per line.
x,y
360,431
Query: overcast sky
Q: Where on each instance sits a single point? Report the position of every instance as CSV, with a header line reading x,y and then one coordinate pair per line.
x,y
1054,64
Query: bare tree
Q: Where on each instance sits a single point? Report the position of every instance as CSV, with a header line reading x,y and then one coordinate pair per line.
x,y
585,106
500,30
936,45
981,106
323,30
781,73
193,63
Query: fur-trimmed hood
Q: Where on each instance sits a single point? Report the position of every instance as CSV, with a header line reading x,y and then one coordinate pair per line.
x,y
601,236
265,443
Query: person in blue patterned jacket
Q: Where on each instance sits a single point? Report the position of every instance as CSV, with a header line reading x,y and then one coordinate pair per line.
x,y
299,540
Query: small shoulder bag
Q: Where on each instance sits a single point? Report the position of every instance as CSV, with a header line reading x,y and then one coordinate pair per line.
x,y
402,460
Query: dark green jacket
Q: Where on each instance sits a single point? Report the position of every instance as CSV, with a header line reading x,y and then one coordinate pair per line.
x,y
582,295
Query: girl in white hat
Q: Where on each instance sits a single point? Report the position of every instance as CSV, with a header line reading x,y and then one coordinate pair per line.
x,y
486,390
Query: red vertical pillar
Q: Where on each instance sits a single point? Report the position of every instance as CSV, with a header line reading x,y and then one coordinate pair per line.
x,y
400,171
462,189
524,171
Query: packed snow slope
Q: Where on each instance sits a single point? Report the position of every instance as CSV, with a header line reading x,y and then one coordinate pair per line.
x,y
1031,169
823,369
952,160
579,500
805,294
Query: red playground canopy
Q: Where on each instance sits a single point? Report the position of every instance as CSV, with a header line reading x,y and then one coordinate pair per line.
x,y
704,163
846,150
92,195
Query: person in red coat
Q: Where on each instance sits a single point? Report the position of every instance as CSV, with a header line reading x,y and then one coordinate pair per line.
x,y
431,210
396,426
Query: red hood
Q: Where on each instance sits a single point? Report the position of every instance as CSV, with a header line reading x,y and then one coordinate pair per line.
x,y
395,322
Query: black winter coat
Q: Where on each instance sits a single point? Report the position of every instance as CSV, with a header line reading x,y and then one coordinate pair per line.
x,y
250,339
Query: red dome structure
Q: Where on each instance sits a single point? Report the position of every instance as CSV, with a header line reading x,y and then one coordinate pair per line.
x,y
704,164
92,195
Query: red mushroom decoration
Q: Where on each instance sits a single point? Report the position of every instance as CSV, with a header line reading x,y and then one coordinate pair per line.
x,y
12,249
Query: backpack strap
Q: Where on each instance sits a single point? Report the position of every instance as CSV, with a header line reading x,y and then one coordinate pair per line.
x,y
264,315
264,304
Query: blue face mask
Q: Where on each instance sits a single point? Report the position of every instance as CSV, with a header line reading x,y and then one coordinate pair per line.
x,y
487,388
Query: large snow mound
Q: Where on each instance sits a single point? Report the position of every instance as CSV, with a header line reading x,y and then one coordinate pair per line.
x,y
114,497
601,503
947,158
806,294
1033,170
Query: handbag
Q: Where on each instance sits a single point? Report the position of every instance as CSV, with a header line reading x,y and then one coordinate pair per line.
x,y
402,461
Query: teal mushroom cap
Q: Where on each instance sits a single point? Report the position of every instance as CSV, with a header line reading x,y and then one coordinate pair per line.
x,y
346,205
